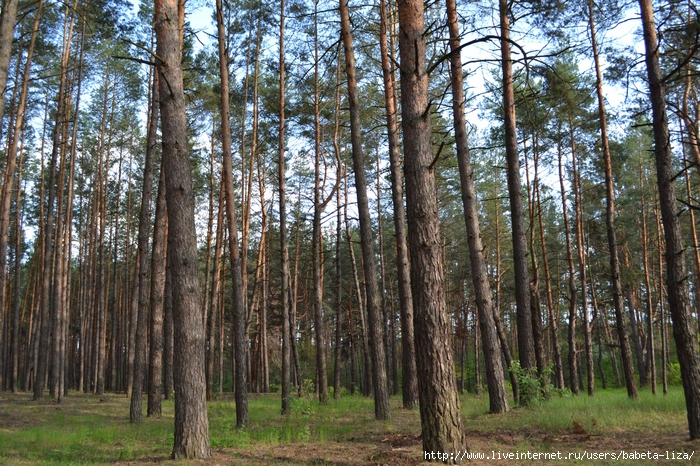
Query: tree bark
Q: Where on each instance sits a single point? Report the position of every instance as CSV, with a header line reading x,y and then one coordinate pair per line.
x,y
441,421
158,261
676,276
239,311
381,391
287,336
498,401
191,422
135,411
526,344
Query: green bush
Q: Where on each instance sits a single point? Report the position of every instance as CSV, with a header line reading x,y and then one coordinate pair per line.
x,y
534,389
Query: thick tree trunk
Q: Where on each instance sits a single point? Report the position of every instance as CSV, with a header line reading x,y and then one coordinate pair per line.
x,y
498,401
676,279
441,421
191,422
381,392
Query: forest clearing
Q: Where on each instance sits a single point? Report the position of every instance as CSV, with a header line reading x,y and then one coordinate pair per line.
x,y
444,223
91,430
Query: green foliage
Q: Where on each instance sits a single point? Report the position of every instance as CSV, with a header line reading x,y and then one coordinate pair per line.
x,y
534,389
673,376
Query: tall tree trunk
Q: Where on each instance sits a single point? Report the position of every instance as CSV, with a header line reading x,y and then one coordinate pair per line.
x,y
317,237
9,178
381,392
441,422
526,344
46,289
409,380
287,336
135,412
676,276
498,401
191,438
578,200
239,310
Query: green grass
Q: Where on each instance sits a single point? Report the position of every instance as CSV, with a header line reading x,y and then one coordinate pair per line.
x,y
88,430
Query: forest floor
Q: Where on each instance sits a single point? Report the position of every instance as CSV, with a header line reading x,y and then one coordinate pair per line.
x,y
87,429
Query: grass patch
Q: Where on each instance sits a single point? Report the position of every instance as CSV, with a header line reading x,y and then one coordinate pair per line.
x,y
87,429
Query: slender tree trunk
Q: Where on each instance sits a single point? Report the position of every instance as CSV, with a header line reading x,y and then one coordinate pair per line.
x,y
239,310
381,392
526,345
441,422
573,370
135,412
553,321
287,336
367,372
9,175
676,276
191,438
42,366
498,401
409,380
578,199
158,260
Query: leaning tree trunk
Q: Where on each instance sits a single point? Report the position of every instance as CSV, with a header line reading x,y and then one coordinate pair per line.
x,y
381,391
676,276
441,421
498,400
191,438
